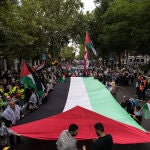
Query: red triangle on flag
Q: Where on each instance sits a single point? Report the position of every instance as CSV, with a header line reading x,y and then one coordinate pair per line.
x,y
87,38
24,71
50,128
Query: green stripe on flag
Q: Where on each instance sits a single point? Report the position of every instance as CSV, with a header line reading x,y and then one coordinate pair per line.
x,y
103,103
29,81
146,111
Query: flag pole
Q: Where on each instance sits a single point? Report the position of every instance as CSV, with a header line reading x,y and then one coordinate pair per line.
x,y
85,60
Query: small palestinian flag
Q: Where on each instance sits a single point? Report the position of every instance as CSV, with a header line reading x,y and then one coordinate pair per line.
x,y
68,69
28,78
40,66
146,110
89,44
63,77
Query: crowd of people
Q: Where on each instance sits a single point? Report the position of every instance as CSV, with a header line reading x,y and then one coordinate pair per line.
x,y
16,100
133,107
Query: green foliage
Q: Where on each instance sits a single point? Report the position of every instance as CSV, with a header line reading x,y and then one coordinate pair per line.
x,y
121,24
30,28
68,53
34,27
81,52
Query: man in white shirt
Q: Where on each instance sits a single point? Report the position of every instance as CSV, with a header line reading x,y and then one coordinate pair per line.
x,y
11,114
66,140
33,101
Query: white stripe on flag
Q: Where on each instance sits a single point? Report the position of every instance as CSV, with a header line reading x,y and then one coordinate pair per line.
x,y
30,76
77,95
94,51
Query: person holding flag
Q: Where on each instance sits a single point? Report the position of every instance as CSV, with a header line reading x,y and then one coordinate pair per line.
x,y
86,61
88,45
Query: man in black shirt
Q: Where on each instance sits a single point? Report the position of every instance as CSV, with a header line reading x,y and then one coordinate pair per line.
x,y
104,142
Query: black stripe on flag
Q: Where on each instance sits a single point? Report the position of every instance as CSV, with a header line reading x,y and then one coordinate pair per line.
x,y
54,105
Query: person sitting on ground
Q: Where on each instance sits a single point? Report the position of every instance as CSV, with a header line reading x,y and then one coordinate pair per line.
x,y
107,85
66,140
33,101
124,101
134,102
113,89
137,114
129,104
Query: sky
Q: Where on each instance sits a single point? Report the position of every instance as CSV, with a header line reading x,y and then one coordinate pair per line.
x,y
88,5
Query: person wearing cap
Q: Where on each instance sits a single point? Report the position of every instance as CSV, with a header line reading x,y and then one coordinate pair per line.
x,y
7,100
6,94
20,94
137,116
13,90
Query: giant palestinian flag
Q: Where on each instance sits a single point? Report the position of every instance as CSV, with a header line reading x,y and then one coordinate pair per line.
x,y
84,101
29,78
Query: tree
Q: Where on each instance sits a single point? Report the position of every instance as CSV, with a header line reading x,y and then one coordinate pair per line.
x,y
12,33
68,53
80,56
95,28
118,25
32,28
125,26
